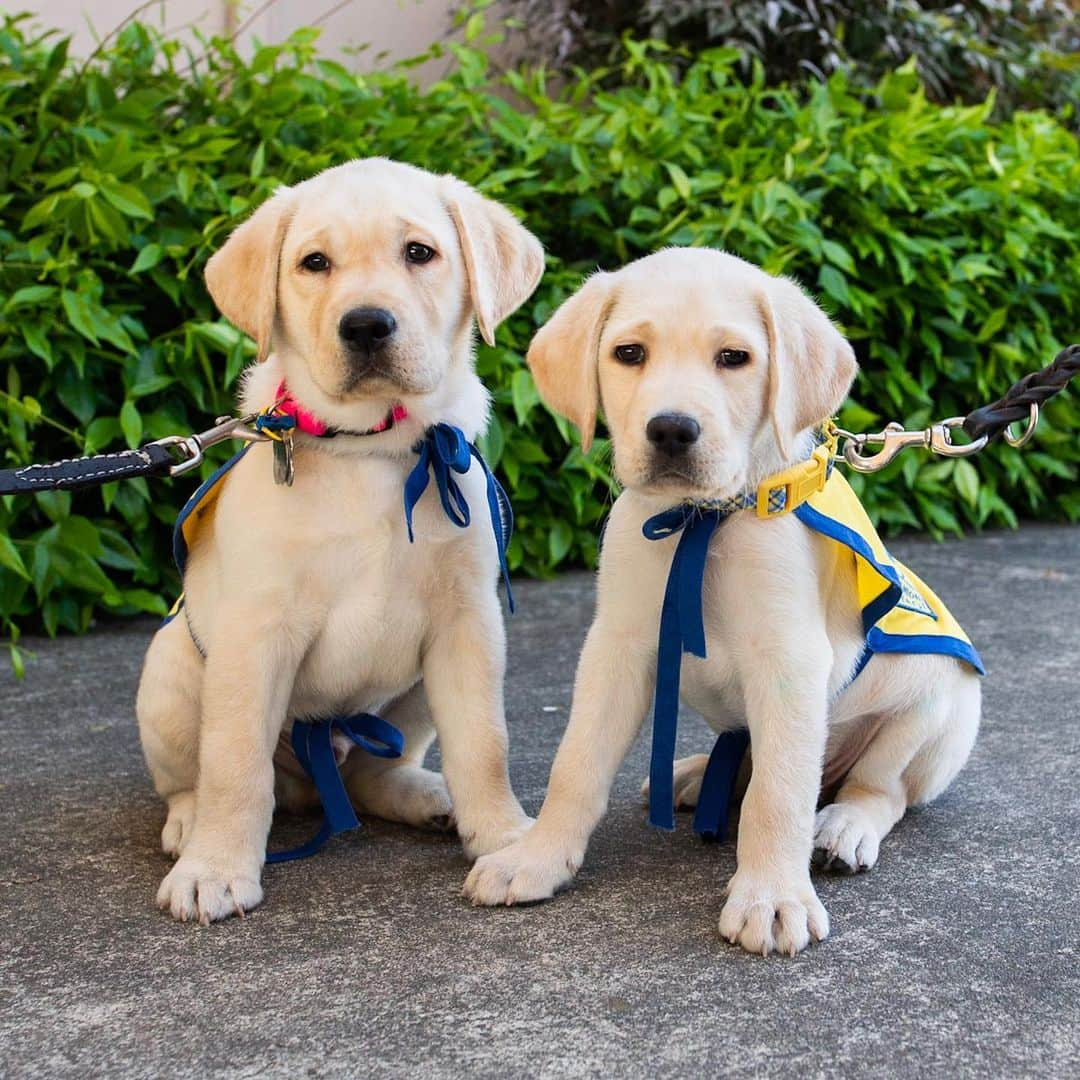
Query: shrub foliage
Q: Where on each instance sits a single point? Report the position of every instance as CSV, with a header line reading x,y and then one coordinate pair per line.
x,y
947,245
1028,51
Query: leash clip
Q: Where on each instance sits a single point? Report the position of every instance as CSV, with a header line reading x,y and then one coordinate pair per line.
x,y
940,441
193,447
892,440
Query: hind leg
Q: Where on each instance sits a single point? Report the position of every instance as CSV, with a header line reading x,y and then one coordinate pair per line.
x,y
688,774
913,757
401,789
167,707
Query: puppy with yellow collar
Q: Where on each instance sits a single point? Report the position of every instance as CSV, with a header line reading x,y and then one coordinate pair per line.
x,y
735,544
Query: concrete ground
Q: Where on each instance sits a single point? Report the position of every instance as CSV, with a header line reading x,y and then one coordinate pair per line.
x,y
956,956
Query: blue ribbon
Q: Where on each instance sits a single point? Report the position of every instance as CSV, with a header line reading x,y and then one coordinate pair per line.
x,y
443,452
314,748
682,629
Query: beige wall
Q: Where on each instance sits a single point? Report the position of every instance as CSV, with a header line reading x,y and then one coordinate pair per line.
x,y
396,28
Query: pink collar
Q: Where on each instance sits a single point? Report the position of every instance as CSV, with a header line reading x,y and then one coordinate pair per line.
x,y
309,424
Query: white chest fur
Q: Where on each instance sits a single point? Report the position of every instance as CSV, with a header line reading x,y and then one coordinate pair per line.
x,y
329,561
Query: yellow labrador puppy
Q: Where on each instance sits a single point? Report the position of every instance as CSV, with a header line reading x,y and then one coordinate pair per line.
x,y
713,377
361,287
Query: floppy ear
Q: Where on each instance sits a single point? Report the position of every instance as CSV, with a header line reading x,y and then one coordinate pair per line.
x,y
563,356
243,275
811,364
503,260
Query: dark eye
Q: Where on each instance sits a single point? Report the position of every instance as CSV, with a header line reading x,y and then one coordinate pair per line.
x,y
316,262
418,253
732,358
630,354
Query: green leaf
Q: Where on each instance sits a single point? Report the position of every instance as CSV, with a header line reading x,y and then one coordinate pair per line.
x,y
100,432
147,258
835,285
40,212
679,180
131,424
129,200
29,294
9,557
839,255
524,394
966,478
560,540
78,313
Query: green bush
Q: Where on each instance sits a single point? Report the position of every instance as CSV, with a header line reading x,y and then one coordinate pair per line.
x,y
947,245
1027,51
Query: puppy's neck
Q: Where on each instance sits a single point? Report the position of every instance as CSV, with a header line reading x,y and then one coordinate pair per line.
x,y
766,458
460,400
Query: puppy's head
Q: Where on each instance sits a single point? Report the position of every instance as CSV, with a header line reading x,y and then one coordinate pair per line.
x,y
707,368
365,279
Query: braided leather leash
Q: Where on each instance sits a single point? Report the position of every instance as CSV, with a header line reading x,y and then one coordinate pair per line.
x,y
1015,404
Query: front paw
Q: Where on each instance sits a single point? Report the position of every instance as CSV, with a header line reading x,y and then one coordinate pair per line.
x,y
520,874
764,915
493,836
195,888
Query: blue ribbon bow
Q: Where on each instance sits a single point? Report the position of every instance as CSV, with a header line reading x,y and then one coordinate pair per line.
x,y
682,629
314,748
443,452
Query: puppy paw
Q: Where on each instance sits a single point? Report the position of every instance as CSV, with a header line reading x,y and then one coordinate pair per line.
x,y
765,916
494,836
687,777
178,824
195,889
845,837
520,874
409,794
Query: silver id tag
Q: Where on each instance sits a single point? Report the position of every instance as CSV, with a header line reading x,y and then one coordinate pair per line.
x,y
283,459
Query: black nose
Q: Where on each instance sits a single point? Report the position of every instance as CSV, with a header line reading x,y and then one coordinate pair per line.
x,y
672,433
365,329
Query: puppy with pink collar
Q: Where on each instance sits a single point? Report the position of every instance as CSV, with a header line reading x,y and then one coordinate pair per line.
x,y
335,570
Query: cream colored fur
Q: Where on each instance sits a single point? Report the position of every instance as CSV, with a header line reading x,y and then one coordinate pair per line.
x,y
310,601
783,633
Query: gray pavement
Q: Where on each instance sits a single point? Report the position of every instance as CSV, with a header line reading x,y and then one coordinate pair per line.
x,y
956,956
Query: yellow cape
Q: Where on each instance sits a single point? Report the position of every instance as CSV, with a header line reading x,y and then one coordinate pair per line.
x,y
900,612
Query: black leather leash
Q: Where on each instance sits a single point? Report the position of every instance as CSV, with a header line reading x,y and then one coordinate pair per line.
x,y
75,473
1015,404
171,456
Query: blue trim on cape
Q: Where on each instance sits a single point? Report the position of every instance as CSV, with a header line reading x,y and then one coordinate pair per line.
x,y
180,551
878,640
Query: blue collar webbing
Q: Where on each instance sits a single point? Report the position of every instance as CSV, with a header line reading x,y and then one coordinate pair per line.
x,y
314,748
